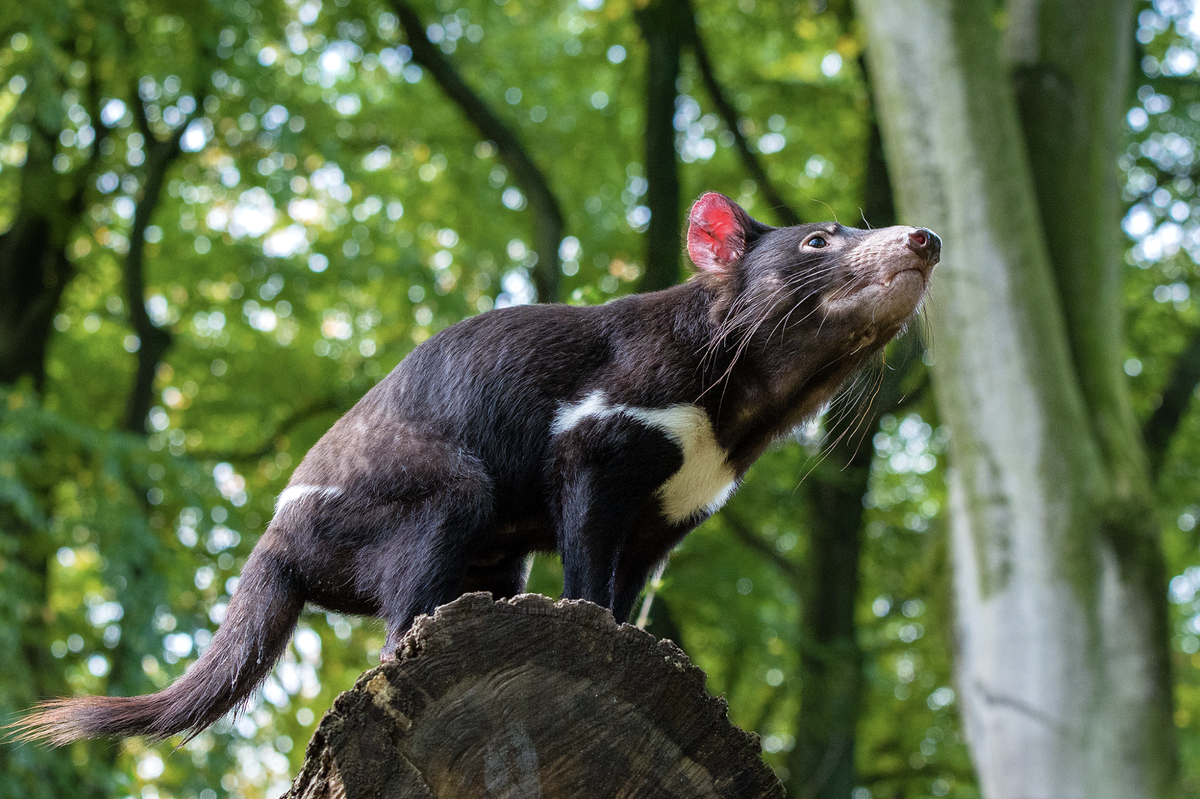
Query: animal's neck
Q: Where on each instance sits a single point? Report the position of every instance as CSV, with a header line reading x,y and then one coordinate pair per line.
x,y
758,383
770,388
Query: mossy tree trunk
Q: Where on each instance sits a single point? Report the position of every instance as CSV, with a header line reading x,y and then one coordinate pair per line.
x,y
1005,142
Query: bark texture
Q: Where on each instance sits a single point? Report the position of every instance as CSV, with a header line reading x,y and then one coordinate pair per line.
x,y
531,698
1059,592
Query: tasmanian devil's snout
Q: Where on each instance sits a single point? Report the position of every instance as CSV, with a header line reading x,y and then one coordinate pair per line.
x,y
926,244
605,433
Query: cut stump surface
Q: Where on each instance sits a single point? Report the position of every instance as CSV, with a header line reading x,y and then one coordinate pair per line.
x,y
528,698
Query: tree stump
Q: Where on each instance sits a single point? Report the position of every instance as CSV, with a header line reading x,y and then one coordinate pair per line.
x,y
528,698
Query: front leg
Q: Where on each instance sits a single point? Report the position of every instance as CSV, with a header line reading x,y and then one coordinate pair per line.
x,y
592,527
607,471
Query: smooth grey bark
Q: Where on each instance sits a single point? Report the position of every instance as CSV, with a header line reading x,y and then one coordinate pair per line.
x,y
1060,661
1069,62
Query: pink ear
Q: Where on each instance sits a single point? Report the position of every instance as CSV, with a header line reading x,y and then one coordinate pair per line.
x,y
716,237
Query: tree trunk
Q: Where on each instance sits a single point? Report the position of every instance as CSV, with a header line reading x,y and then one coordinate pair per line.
x,y
1060,618
822,764
729,115
528,698
34,268
664,25
153,341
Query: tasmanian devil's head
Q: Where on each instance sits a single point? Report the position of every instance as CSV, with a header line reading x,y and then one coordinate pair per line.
x,y
820,292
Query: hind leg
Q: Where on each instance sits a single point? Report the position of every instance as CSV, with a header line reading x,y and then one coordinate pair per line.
x,y
426,570
422,547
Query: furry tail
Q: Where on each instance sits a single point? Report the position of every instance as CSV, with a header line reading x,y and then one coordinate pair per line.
x,y
258,624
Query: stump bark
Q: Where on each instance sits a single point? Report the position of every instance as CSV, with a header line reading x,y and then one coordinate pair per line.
x,y
528,698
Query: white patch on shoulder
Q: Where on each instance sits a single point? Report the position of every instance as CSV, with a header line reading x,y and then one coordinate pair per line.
x,y
293,493
705,480
703,483
568,416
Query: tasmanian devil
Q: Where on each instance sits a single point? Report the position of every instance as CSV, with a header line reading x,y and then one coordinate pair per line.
x,y
606,433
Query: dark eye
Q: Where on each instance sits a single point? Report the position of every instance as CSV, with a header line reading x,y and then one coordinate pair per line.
x,y
816,242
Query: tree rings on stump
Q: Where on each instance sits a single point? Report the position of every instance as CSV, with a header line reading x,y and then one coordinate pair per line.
x,y
531,699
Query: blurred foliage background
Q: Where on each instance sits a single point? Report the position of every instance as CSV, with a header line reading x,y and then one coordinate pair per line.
x,y
225,221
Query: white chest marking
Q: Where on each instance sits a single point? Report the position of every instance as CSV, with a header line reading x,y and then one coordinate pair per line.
x,y
293,493
705,480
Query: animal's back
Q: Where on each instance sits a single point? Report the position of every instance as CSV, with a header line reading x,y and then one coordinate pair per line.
x,y
493,384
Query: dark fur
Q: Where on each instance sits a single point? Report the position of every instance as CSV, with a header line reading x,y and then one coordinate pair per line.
x,y
450,477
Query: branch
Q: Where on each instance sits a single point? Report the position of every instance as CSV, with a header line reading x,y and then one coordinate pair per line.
x,y
140,119
748,537
729,115
94,110
1161,426
272,442
809,645
154,340
547,216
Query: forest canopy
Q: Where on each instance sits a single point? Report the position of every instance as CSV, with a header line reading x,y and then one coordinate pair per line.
x,y
221,223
